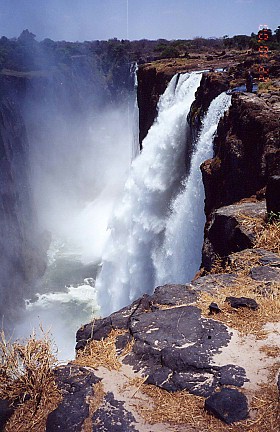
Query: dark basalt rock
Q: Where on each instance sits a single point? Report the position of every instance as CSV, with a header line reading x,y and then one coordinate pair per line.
x,y
232,375
214,308
111,416
175,347
265,273
5,412
273,195
225,233
238,302
76,384
209,282
174,295
122,341
101,328
211,85
246,152
165,295
268,258
228,405
151,84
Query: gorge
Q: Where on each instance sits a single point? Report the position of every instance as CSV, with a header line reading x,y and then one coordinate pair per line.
x,y
58,159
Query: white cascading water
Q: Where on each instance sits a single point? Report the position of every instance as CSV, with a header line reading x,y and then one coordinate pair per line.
x,y
139,221
180,256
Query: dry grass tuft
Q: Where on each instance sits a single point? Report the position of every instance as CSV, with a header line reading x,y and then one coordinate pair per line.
x,y
28,382
94,403
271,351
267,234
101,353
242,262
269,237
186,409
245,320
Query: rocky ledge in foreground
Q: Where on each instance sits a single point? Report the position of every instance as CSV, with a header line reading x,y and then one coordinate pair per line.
x,y
173,361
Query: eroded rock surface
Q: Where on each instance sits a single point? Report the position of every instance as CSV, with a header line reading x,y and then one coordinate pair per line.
x,y
76,384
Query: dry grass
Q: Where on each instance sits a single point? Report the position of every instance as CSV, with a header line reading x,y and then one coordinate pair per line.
x,y
182,408
245,320
271,351
28,382
94,403
269,237
102,353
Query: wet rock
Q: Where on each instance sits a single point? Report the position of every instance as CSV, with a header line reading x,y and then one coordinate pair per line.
x,y
273,195
238,302
211,85
228,405
76,384
111,416
265,273
5,412
151,84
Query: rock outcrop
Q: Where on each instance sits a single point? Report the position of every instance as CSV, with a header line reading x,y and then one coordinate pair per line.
x,y
151,84
246,152
23,252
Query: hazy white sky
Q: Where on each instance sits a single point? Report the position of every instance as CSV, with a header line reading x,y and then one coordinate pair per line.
x,y
151,19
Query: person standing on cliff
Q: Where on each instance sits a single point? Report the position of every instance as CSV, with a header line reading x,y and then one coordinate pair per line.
x,y
249,82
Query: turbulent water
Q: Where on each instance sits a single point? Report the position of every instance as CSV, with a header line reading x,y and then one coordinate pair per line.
x,y
156,232
138,223
79,163
180,255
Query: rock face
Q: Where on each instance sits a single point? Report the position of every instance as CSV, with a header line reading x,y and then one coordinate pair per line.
x,y
23,258
225,232
211,85
151,84
273,195
246,152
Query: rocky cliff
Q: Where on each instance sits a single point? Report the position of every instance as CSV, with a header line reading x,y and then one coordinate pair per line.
x,y
202,356
22,248
170,359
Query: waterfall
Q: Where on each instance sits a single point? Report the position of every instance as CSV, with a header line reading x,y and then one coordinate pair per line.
x,y
180,256
138,223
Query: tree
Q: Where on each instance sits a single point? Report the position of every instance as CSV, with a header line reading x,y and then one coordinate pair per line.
x,y
26,36
277,33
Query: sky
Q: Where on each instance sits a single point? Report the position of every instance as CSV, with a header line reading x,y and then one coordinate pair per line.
x,y
79,20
